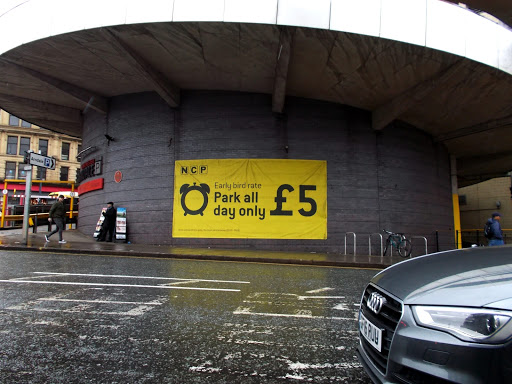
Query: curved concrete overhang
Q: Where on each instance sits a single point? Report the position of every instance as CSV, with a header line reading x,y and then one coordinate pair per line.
x,y
427,63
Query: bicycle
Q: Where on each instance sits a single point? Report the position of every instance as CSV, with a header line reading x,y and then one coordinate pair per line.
x,y
398,241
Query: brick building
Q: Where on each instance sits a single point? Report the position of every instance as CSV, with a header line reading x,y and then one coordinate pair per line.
x,y
18,136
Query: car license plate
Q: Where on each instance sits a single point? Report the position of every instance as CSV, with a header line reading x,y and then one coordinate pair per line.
x,y
370,332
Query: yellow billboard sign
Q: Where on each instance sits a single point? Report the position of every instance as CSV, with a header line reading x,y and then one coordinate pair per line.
x,y
250,198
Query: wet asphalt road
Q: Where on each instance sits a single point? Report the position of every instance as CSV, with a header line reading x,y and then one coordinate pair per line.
x,y
95,319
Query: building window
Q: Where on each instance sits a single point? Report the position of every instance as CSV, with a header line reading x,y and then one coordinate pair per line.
x,y
65,151
43,147
64,172
41,173
10,170
14,121
25,124
21,171
12,145
463,200
24,145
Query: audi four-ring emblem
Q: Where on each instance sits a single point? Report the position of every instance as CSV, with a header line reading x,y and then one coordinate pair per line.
x,y
375,302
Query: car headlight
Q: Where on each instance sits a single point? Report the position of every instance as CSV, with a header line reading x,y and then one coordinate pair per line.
x,y
469,324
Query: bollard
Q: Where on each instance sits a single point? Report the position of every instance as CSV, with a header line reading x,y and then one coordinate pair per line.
x,y
34,228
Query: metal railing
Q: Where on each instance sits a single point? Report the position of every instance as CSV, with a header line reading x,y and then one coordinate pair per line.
x,y
350,233
421,237
370,243
476,236
71,218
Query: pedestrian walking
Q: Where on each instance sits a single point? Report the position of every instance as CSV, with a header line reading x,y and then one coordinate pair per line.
x,y
109,223
57,215
493,230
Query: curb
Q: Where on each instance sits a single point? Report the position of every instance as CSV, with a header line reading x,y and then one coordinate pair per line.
x,y
197,256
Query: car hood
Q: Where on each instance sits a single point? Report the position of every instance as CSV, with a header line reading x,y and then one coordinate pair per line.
x,y
476,277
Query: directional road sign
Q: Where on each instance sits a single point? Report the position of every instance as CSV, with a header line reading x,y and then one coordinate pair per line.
x,y
42,161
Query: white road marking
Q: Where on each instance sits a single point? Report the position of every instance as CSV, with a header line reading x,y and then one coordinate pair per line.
x,y
132,312
320,290
141,277
276,294
301,366
294,377
342,307
83,305
102,301
138,311
247,311
204,369
118,285
319,297
299,297
31,277
45,322
182,282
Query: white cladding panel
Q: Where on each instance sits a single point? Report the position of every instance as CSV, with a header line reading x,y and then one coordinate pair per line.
x,y
250,11
446,27
404,20
304,13
362,16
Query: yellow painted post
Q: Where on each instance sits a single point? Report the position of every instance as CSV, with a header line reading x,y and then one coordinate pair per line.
x,y
4,203
456,220
455,201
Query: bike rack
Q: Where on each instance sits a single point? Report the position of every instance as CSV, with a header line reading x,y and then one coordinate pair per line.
x,y
350,233
381,243
370,243
421,237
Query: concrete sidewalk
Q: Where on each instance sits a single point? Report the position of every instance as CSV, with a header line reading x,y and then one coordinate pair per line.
x,y
77,242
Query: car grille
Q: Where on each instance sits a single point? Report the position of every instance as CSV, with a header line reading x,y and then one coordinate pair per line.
x,y
387,319
408,375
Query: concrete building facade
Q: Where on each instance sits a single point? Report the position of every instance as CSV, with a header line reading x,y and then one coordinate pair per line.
x,y
404,100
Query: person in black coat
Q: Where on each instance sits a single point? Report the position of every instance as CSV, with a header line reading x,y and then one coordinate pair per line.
x,y
57,214
109,223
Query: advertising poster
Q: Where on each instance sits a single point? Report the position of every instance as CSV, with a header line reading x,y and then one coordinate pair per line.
x,y
250,198
121,224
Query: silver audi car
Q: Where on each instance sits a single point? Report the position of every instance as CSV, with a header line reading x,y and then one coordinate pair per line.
x,y
440,318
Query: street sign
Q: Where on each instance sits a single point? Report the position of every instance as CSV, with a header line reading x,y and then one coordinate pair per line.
x,y
42,161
